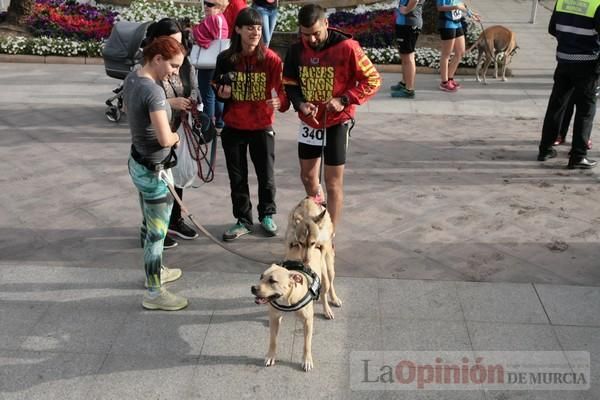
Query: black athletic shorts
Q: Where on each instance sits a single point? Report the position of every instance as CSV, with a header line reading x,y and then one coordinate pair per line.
x,y
335,148
448,33
406,37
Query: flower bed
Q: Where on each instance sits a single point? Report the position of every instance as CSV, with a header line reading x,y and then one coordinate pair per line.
x,y
45,46
59,23
69,19
370,29
373,27
67,28
424,57
144,10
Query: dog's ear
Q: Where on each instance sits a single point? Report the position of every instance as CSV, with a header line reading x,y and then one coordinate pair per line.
x,y
298,217
296,277
320,217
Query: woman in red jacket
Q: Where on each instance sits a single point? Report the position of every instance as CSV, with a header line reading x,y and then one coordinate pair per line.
x,y
232,11
248,79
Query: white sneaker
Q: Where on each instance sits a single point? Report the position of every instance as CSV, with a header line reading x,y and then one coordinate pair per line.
x,y
167,275
165,300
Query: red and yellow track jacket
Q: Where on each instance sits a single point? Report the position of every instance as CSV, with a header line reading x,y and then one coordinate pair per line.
x,y
339,68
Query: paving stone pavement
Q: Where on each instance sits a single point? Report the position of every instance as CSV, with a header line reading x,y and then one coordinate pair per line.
x,y
453,239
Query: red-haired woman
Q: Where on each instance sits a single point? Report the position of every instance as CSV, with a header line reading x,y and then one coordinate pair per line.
x,y
148,114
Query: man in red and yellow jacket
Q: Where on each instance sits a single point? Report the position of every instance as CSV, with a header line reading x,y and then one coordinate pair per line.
x,y
326,75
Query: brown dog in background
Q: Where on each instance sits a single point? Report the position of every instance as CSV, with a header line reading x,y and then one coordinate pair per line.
x,y
498,44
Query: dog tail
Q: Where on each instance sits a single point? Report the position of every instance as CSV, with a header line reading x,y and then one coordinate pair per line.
x,y
477,42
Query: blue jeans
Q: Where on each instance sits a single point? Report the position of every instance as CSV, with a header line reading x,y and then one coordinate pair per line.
x,y
269,16
212,107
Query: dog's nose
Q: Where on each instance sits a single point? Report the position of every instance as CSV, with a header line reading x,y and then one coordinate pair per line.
x,y
253,289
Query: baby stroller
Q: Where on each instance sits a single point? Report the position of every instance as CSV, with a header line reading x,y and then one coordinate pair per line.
x,y
121,53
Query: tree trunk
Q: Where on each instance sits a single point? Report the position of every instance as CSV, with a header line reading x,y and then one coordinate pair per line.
x,y
18,11
430,17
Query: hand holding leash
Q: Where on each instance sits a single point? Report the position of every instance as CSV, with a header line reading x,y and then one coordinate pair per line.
x,y
224,91
473,15
309,109
180,103
335,105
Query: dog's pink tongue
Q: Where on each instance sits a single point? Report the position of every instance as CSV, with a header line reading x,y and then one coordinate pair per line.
x,y
260,300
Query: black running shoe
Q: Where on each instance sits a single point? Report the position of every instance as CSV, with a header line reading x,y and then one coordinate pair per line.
x,y
181,229
546,155
169,243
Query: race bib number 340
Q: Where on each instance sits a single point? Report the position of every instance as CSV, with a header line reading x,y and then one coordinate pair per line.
x,y
311,136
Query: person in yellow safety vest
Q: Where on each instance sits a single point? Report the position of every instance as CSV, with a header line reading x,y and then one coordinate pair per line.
x,y
576,25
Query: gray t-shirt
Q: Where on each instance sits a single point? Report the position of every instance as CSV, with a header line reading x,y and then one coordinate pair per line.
x,y
142,96
413,18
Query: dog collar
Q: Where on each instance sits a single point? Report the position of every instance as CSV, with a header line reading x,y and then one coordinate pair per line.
x,y
314,288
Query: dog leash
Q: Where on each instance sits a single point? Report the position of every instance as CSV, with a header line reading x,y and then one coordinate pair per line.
x,y
163,175
470,14
199,152
321,168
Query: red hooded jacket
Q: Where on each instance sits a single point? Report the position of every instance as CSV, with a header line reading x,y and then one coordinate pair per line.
x,y
339,68
231,12
254,81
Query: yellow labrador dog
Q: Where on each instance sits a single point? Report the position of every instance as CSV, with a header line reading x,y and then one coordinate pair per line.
x,y
290,289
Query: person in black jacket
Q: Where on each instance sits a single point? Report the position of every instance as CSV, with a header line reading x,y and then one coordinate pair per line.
x,y
575,77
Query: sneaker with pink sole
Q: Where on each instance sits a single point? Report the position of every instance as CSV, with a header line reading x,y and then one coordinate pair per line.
x,y
447,87
454,83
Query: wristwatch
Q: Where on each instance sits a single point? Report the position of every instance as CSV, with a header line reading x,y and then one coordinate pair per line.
x,y
345,100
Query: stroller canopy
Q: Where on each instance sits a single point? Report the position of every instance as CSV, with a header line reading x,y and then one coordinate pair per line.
x,y
122,48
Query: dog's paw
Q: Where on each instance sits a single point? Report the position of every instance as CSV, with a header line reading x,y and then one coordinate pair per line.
x,y
337,302
504,79
328,314
307,365
269,361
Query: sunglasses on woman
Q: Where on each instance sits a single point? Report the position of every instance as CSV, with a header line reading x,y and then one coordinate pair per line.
x,y
209,5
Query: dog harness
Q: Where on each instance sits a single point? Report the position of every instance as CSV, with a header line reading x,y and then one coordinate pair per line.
x,y
314,288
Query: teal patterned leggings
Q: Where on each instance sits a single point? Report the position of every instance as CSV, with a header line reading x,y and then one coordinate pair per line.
x,y
156,203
